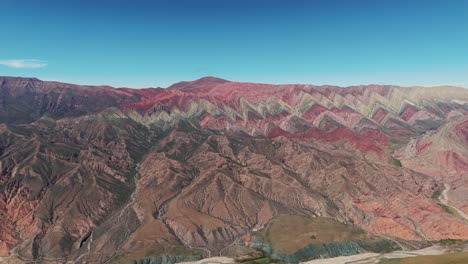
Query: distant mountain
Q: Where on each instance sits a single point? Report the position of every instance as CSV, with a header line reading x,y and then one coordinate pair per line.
x,y
95,174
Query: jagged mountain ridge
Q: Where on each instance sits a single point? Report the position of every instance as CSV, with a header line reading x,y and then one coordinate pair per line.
x,y
198,165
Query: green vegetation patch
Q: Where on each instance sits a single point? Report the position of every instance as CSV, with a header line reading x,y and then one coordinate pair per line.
x,y
263,261
451,258
390,261
452,242
296,238
289,233
396,162
448,209
436,194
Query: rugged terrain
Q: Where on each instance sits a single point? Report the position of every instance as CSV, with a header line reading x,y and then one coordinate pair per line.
x,y
104,175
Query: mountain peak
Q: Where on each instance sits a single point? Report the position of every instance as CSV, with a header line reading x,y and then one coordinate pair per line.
x,y
14,78
211,79
203,83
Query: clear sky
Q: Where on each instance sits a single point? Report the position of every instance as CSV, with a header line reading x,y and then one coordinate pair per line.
x,y
137,43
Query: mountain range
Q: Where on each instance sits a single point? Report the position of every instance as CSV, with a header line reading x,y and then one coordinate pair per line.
x,y
96,174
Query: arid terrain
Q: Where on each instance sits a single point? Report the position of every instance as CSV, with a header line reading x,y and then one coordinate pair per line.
x,y
95,174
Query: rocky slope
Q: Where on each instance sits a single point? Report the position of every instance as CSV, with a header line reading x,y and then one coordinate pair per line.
x,y
104,175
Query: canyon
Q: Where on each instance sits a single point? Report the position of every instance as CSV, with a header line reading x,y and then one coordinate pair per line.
x,y
96,174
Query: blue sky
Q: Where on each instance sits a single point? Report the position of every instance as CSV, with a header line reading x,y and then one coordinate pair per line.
x,y
156,43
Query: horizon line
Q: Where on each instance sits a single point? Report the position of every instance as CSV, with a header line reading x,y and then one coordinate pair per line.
x,y
219,78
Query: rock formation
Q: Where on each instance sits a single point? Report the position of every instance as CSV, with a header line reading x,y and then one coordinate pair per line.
x,y
102,175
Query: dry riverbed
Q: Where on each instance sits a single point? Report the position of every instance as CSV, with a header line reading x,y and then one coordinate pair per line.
x,y
364,258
